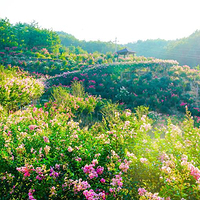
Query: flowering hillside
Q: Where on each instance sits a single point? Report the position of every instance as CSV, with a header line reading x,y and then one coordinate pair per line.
x,y
158,84
45,154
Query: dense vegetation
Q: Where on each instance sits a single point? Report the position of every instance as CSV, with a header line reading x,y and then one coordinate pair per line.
x,y
75,125
158,84
27,36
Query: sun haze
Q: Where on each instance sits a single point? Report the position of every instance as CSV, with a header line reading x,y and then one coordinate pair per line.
x,y
128,20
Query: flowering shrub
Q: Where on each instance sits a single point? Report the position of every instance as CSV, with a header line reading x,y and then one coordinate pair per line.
x,y
45,153
53,157
18,89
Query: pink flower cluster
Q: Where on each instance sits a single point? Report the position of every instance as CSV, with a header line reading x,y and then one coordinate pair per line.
x,y
26,170
40,175
194,171
149,195
46,139
53,173
183,104
32,127
75,78
30,194
92,81
116,182
91,195
80,185
124,166
89,169
92,86
70,149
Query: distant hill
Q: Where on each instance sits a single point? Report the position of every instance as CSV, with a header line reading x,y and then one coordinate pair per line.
x,y
150,48
186,50
68,40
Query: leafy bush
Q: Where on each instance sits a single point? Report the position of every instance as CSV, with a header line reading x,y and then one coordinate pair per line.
x,y
18,89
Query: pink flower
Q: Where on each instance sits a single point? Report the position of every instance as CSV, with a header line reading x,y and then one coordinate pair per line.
x,y
92,81
117,181
128,113
93,174
46,139
32,127
94,162
99,170
111,190
78,159
88,168
124,167
92,86
103,180
141,191
25,170
143,160
75,78
183,104
70,149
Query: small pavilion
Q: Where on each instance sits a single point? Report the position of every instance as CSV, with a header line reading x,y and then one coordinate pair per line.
x,y
125,52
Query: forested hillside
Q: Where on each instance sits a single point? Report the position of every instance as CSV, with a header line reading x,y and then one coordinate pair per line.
x,y
150,48
185,51
30,36
68,40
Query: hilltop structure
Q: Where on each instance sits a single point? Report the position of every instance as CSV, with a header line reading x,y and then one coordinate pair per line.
x,y
125,52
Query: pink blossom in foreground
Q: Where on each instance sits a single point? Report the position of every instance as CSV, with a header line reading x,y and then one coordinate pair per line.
x,y
141,191
149,195
70,149
117,181
183,104
91,195
103,180
46,139
30,194
93,174
88,168
99,170
32,127
124,167
80,185
26,170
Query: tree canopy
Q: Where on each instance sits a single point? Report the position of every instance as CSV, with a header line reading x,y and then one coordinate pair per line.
x,y
27,36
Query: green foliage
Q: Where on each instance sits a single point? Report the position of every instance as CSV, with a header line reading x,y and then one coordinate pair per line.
x,y
7,39
27,36
77,89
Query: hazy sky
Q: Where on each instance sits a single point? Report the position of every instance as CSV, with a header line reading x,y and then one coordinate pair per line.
x,y
128,20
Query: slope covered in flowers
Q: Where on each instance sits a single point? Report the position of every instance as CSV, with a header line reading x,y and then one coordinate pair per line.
x,y
46,154
161,85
